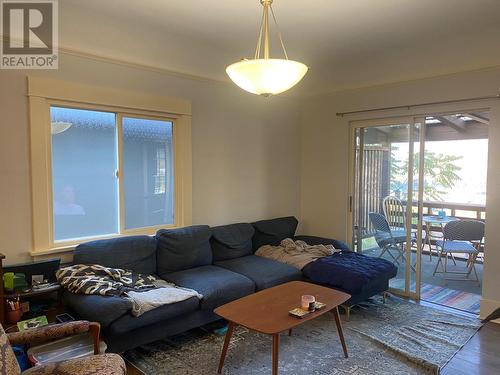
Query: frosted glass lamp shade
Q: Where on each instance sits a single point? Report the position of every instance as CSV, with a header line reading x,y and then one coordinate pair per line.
x,y
266,76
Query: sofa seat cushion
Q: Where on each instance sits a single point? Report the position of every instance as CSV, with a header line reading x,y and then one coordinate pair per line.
x,y
264,272
273,231
95,308
183,248
128,322
136,253
232,241
218,285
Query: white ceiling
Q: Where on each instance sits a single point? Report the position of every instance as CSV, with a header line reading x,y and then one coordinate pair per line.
x,y
346,43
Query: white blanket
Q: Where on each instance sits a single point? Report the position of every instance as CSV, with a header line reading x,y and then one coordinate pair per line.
x,y
295,253
163,295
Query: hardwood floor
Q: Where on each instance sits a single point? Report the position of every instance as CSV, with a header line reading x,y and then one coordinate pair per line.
x,y
479,355
131,370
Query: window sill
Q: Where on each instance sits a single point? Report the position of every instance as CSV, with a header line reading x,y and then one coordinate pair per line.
x,y
54,250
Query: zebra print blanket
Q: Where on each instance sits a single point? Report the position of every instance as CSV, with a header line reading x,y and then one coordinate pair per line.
x,y
105,281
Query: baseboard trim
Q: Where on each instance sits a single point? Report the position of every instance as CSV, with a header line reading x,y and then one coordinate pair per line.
x,y
487,307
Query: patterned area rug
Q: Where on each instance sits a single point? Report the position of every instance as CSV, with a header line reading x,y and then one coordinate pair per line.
x,y
398,337
456,299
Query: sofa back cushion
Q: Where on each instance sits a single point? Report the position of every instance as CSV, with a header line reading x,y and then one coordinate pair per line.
x,y
273,231
183,248
136,253
232,241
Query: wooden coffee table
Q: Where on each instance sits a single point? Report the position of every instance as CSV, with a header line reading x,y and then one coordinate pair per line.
x,y
267,312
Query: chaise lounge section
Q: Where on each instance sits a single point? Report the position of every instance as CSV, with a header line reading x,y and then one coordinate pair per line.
x,y
358,275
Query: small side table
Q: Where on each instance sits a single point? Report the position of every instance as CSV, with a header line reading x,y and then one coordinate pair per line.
x,y
36,293
25,294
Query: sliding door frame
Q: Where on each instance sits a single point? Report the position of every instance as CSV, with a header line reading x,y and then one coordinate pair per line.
x,y
358,162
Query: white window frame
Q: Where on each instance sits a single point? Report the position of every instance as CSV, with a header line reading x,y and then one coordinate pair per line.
x,y
44,93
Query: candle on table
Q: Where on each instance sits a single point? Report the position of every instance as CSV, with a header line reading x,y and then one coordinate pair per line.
x,y
306,300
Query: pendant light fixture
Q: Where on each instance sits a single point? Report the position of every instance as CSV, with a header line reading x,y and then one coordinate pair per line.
x,y
266,76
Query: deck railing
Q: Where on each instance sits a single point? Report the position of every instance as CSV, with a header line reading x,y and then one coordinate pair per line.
x,y
460,210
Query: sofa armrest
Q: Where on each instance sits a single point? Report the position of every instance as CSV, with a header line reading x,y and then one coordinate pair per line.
x,y
56,331
314,240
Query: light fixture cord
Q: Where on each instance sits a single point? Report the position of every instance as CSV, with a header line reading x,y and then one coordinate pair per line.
x,y
259,40
264,31
279,32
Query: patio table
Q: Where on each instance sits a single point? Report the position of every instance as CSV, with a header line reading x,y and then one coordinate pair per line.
x,y
430,220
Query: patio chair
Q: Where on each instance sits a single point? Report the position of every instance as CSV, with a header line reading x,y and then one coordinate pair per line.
x,y
395,214
458,238
388,239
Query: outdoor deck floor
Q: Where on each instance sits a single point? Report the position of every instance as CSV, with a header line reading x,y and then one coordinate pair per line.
x,y
446,287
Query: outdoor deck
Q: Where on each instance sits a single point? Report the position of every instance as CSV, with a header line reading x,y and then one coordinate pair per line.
x,y
463,295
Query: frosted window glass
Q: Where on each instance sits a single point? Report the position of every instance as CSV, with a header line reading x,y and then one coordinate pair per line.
x,y
84,163
147,172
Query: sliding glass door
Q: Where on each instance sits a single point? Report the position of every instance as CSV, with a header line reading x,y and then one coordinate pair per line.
x,y
385,196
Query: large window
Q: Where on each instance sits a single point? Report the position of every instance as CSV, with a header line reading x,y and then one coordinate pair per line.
x,y
110,172
106,163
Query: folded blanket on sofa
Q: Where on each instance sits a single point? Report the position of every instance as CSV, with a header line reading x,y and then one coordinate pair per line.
x,y
165,294
146,291
295,253
105,281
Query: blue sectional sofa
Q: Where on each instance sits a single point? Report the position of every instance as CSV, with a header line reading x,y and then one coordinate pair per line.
x,y
218,262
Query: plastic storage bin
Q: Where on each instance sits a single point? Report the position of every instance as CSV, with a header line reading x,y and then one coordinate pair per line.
x,y
76,346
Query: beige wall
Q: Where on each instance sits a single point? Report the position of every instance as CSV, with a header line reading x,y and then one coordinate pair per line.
x,y
325,152
245,148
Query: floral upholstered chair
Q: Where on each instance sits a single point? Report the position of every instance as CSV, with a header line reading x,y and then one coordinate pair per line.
x,y
98,364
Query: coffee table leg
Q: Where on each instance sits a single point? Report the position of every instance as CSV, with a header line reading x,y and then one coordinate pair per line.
x,y
290,332
339,329
276,349
227,339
